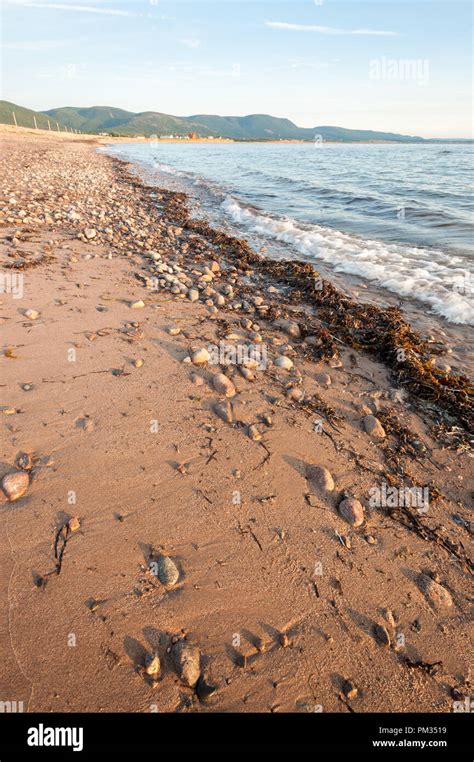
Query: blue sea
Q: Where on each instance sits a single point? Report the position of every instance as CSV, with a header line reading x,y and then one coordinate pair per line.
x,y
399,216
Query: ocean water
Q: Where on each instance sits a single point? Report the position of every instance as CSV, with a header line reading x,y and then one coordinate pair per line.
x,y
399,216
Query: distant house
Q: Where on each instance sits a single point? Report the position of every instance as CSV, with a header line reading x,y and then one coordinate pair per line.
x,y
153,137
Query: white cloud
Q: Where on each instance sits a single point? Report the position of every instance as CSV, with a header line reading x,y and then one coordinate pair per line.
x,y
326,29
36,45
69,7
190,42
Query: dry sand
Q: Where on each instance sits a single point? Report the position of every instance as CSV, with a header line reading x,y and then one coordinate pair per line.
x,y
284,599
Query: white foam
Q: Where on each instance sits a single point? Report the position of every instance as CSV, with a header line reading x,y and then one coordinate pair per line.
x,y
433,277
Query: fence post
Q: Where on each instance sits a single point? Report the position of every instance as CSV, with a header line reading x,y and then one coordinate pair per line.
x,y
34,119
14,118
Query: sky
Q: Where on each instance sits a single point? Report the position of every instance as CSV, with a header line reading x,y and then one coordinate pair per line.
x,y
385,65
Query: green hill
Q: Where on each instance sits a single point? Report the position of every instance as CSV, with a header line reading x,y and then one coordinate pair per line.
x,y
111,120
25,117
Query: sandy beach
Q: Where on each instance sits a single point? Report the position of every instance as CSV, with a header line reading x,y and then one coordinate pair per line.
x,y
165,493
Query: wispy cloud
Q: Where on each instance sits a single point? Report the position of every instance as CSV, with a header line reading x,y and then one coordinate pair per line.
x,y
69,7
36,45
327,29
190,42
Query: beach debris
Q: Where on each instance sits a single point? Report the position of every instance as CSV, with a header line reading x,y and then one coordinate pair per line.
x,y
223,385
352,511
224,411
373,427
321,477
200,356
15,484
283,362
31,314
166,570
437,595
187,662
381,634
284,640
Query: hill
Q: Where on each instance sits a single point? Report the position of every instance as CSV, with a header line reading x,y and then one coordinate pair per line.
x,y
111,120
25,117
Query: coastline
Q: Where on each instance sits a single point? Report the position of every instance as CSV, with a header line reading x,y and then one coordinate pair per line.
x,y
247,568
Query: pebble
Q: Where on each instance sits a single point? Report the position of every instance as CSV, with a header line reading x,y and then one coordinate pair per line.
x,y
254,433
193,295
289,327
284,362
352,511
323,379
296,394
373,427
437,595
138,363
197,380
153,666
224,411
200,356
15,484
321,477
31,314
223,385
187,661
349,689
167,571
174,331
137,305
90,233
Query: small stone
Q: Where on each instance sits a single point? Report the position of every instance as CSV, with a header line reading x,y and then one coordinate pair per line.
x,y
74,524
24,461
200,356
370,539
193,295
246,373
321,477
31,314
254,433
352,511
137,305
197,380
223,385
289,327
174,331
153,666
138,363
166,570
224,411
15,484
284,640
323,379
349,689
437,595
373,427
90,233
381,634
295,393
187,661
283,362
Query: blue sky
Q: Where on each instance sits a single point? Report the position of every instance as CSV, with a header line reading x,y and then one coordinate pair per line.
x,y
385,65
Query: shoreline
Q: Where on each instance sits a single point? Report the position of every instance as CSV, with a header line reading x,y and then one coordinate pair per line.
x,y
274,583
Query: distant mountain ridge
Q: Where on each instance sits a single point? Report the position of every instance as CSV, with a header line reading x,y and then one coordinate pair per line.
x,y
109,119
116,121
252,127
